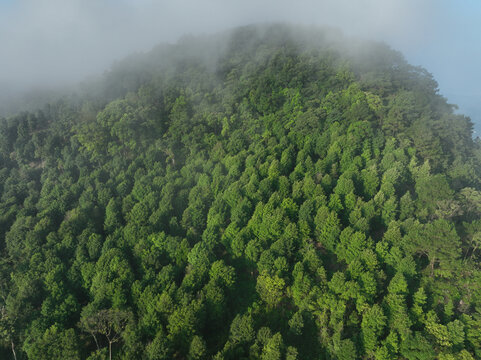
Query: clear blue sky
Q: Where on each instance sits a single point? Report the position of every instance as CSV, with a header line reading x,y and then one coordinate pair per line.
x,y
5,4
65,40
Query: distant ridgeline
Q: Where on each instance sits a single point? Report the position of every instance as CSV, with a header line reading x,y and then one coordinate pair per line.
x,y
272,192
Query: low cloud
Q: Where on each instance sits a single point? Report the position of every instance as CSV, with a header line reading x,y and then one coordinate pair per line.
x,y
55,42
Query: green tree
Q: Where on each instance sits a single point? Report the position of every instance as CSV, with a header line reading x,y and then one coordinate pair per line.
x,y
271,289
372,327
54,344
108,323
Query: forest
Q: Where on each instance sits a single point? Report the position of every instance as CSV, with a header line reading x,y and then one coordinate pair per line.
x,y
270,192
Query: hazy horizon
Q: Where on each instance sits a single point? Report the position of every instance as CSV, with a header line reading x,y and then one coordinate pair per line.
x,y
49,43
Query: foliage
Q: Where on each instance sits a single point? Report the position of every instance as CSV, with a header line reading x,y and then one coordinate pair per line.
x,y
272,192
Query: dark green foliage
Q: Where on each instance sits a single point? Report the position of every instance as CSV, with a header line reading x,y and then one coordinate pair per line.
x,y
271,193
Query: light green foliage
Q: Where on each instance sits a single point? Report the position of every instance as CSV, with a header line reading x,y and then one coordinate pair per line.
x,y
370,181
448,335
294,201
270,289
416,346
113,277
197,350
54,344
372,326
346,350
241,329
351,244
419,303
222,274
327,227
273,348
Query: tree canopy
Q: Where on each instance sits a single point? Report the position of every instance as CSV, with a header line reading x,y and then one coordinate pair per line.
x,y
273,192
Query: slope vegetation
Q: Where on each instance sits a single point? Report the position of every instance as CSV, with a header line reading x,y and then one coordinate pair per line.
x,y
268,193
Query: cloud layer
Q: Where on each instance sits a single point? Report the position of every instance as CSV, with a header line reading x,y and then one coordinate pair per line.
x,y
51,42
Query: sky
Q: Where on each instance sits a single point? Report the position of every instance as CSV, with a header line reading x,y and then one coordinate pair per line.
x,y
55,42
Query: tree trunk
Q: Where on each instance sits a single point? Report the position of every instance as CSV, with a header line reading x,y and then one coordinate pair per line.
x,y
96,342
110,350
472,253
13,350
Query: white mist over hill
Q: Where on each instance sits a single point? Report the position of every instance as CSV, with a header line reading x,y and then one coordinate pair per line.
x,y
47,43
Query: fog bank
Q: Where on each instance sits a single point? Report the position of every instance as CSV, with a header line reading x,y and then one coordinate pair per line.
x,y
57,42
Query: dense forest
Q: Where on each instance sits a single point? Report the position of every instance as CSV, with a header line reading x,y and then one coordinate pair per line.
x,y
272,192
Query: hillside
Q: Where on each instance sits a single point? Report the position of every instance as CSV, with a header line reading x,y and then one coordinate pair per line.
x,y
273,192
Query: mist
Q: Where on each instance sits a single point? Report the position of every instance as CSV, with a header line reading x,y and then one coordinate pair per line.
x,y
53,43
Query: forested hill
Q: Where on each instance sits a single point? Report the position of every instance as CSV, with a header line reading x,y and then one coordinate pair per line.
x,y
273,192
